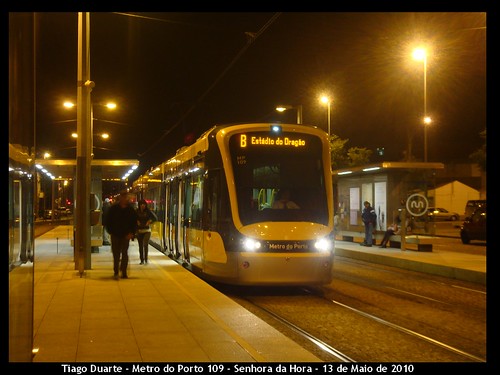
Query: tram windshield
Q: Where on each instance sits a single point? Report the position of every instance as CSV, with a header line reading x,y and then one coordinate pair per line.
x,y
279,178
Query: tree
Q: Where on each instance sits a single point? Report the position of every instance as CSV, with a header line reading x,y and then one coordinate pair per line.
x,y
358,156
341,158
338,155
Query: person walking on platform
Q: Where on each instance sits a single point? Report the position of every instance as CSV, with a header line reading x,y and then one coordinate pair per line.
x,y
121,224
369,218
144,218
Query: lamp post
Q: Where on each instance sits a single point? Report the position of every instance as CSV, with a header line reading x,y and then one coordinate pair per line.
x,y
84,146
326,100
427,121
420,54
298,107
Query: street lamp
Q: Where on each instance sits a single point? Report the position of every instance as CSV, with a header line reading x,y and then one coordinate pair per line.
x,y
283,108
102,135
108,105
326,100
420,54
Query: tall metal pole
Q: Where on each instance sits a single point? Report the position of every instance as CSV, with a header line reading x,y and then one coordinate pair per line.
x,y
91,130
299,114
425,107
329,134
84,146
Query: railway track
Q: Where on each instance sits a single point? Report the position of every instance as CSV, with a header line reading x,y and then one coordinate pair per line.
x,y
391,339
372,313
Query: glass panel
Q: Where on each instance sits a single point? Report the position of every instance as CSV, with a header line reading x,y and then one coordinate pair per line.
x,y
268,167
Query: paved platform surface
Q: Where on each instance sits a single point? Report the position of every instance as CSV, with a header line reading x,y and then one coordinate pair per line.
x,y
163,313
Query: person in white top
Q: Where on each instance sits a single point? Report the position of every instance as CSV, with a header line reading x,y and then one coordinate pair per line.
x,y
392,229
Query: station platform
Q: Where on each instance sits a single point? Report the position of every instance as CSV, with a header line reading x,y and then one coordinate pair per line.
x,y
163,313
449,258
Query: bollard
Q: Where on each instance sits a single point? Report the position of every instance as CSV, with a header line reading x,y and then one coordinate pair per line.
x,y
402,232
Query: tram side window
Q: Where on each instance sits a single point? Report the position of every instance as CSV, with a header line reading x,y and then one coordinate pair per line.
x,y
211,201
154,195
160,214
173,214
186,204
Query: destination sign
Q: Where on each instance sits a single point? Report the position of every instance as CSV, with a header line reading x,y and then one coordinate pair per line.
x,y
266,141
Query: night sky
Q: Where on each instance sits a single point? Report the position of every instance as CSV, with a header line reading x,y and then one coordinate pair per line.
x,y
175,75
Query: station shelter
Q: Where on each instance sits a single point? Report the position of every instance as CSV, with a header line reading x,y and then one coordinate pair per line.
x,y
390,187
64,170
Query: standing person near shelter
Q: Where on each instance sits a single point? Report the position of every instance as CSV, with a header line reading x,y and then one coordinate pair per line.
x,y
144,218
121,224
369,218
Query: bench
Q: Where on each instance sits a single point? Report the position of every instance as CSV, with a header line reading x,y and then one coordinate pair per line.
x,y
394,240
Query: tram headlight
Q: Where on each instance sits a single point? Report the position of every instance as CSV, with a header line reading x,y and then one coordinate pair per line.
x,y
323,245
251,245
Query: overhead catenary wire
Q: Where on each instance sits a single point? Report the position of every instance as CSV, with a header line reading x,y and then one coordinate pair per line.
x,y
251,37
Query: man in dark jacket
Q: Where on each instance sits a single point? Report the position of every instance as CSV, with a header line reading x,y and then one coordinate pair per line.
x,y
369,218
121,224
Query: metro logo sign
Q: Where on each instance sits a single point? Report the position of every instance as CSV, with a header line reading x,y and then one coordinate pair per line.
x,y
417,204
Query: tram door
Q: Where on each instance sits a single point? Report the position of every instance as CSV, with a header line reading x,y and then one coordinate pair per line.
x,y
183,224
167,228
173,217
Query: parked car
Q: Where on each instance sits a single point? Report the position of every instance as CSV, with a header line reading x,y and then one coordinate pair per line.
x,y
53,215
472,205
64,211
47,214
438,213
474,226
